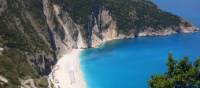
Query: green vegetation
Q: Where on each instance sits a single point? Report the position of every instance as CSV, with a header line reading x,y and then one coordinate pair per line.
x,y
131,15
20,39
24,32
138,14
180,74
42,82
13,65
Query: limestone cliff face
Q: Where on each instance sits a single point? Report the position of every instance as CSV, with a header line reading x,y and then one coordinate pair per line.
x,y
103,28
100,27
65,32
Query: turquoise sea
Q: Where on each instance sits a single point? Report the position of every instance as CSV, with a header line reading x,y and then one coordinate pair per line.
x,y
130,63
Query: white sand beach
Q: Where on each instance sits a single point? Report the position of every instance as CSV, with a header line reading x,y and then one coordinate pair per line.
x,y
67,72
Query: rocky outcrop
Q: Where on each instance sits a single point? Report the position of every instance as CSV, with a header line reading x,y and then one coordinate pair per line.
x,y
3,81
29,83
66,33
1,50
103,28
168,31
3,6
56,39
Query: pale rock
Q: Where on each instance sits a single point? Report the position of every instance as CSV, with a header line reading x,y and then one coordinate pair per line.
x,y
3,80
3,6
29,83
61,48
1,50
189,29
150,32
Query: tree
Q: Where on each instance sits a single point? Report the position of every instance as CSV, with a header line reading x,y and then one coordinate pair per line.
x,y
197,63
184,65
181,74
161,81
171,64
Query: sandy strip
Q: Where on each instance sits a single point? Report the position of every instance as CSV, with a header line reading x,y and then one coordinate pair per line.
x,y
67,72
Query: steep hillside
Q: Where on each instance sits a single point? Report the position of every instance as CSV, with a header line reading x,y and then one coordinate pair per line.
x,y
102,20
34,33
25,40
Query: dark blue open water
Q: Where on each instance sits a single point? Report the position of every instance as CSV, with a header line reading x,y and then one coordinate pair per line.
x,y
130,63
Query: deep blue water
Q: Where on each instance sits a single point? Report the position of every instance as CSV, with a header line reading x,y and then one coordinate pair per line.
x,y
130,63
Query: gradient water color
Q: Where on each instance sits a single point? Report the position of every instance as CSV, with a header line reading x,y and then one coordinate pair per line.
x,y
130,63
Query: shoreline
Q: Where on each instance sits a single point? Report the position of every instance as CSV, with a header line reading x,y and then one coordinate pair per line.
x,y
67,72
146,35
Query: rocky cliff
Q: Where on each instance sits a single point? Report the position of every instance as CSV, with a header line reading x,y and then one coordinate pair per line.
x,y
34,33
101,22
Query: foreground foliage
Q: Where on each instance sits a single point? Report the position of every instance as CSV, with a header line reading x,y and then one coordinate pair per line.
x,y
180,74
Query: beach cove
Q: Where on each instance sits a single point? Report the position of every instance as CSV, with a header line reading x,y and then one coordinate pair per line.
x,y
130,63
127,63
67,72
